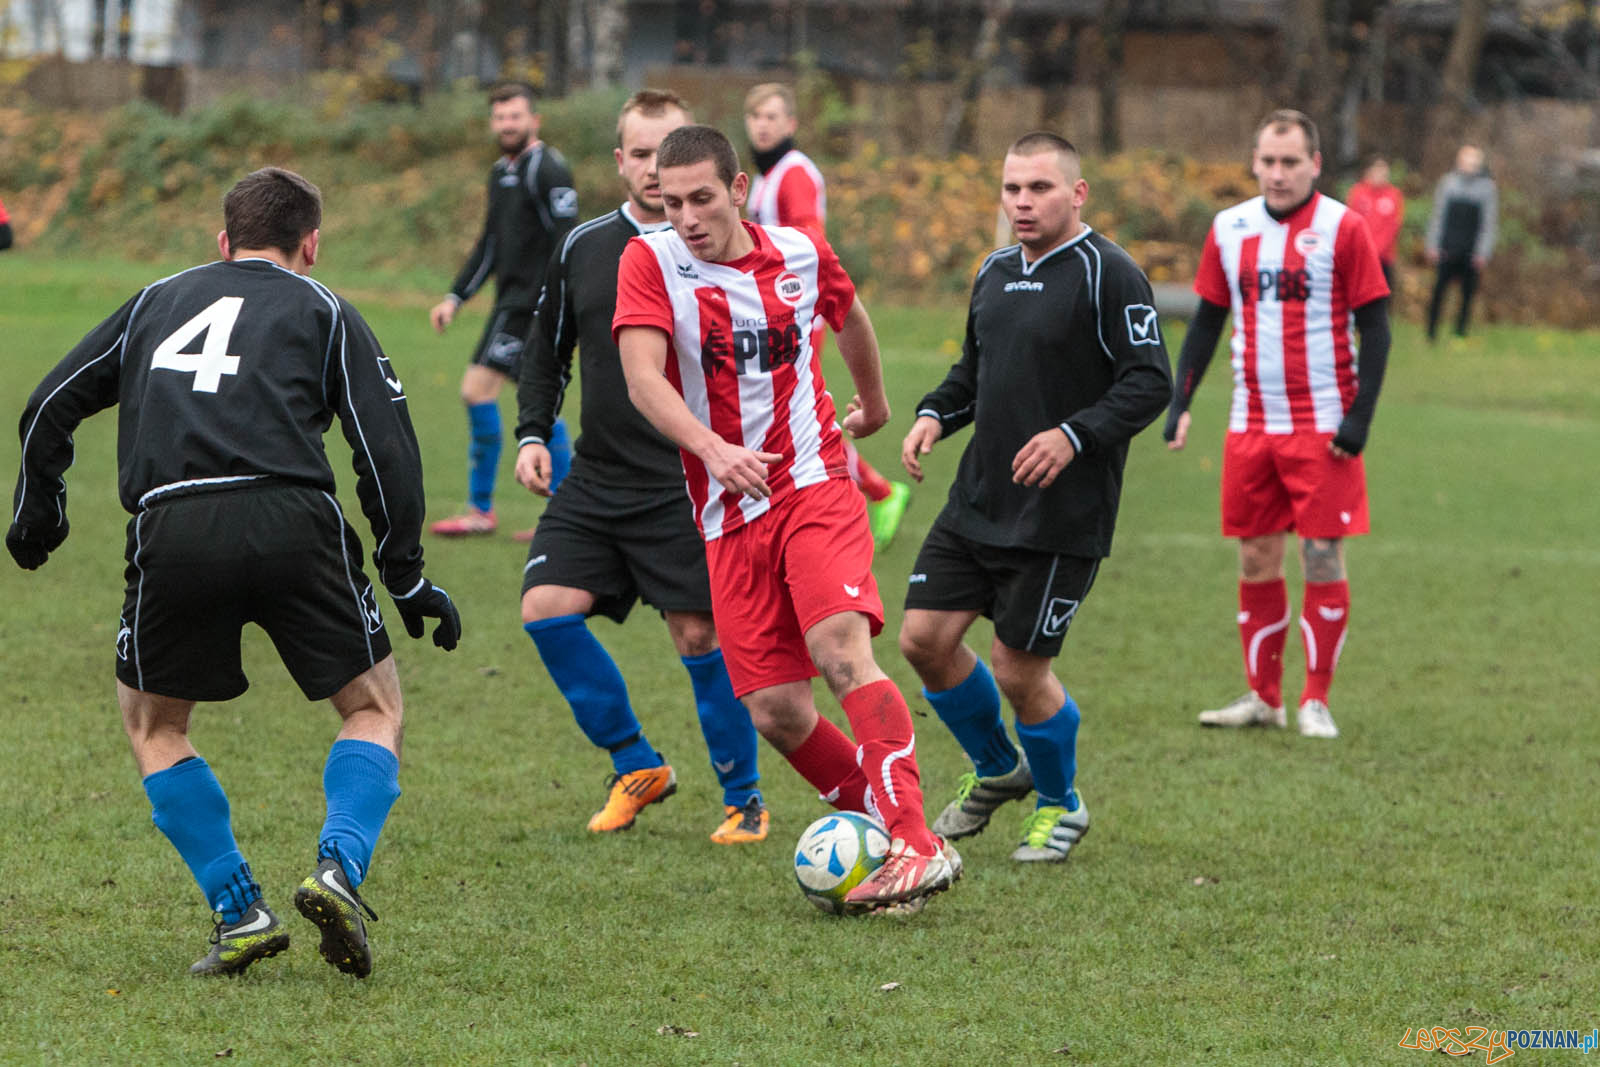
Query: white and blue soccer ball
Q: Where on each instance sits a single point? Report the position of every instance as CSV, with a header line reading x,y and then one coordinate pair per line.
x,y
837,853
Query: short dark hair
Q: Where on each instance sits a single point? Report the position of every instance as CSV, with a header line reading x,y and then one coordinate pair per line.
x,y
510,91
688,145
1031,144
652,104
1285,117
271,208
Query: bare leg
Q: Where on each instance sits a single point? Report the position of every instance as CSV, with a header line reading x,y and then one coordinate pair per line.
x,y
371,706
157,728
931,642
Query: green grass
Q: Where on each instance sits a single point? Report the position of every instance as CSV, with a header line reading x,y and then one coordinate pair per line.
x,y
1245,898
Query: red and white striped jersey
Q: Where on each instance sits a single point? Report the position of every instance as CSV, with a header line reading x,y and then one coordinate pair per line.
x,y
792,193
1293,286
743,354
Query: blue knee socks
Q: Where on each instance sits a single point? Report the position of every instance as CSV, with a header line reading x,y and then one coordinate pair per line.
x,y
588,677
361,782
729,733
188,805
1052,748
485,454
972,712
560,446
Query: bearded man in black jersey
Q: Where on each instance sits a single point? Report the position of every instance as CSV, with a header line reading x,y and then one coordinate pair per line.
x,y
227,376
531,207
622,529
1063,363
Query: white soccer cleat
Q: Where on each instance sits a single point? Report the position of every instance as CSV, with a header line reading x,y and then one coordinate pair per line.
x,y
1315,720
978,798
1248,710
1048,833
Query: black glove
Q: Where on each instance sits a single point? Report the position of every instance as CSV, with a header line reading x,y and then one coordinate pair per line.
x,y
428,601
30,548
1352,435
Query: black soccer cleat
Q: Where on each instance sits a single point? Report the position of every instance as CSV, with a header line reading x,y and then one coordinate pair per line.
x,y
329,900
235,946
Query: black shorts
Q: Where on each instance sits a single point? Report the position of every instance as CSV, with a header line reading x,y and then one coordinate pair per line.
x,y
505,334
282,557
1032,596
621,545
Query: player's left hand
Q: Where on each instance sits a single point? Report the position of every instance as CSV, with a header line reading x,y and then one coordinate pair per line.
x,y
31,548
1044,457
533,468
859,421
428,601
1350,440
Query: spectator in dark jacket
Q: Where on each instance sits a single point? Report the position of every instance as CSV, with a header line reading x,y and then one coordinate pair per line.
x,y
1461,232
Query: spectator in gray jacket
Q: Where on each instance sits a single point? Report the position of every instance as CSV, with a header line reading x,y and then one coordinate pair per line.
x,y
1461,232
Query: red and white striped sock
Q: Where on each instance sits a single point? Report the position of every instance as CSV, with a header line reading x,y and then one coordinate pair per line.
x,y
887,753
1263,625
1324,621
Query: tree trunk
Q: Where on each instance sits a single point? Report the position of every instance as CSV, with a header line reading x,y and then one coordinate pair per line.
x,y
609,29
1306,83
310,35
577,43
97,23
1112,25
552,47
1365,80
968,83
1461,62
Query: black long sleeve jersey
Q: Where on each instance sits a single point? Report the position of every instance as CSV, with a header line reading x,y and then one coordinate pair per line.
x,y
532,206
1071,341
616,445
225,373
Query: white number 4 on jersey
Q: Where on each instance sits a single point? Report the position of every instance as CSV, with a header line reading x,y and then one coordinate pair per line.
x,y
212,361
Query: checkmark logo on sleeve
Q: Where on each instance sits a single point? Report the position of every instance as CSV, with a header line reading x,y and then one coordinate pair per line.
x,y
1143,325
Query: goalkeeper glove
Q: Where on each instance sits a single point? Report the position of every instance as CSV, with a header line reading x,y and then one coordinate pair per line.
x,y
428,601
31,548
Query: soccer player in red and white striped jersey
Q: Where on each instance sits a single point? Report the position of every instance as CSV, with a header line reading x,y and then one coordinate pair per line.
x,y
715,325
788,190
1301,277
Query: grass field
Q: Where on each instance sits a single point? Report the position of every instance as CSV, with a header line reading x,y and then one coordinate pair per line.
x,y
1255,898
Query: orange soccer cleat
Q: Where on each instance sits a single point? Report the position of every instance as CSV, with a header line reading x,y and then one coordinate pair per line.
x,y
630,794
743,826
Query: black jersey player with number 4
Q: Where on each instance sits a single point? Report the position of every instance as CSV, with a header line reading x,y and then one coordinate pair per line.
x,y
227,376
1063,364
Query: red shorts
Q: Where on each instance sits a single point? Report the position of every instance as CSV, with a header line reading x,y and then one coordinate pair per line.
x,y
1277,482
772,580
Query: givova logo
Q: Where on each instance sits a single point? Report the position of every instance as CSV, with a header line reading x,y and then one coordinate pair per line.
x,y
1058,616
369,608
1143,326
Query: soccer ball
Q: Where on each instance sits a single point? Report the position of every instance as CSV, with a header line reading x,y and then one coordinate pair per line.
x,y
837,853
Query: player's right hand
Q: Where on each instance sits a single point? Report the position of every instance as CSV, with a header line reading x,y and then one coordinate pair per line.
x,y
442,313
533,468
919,442
1180,433
31,548
428,601
740,469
